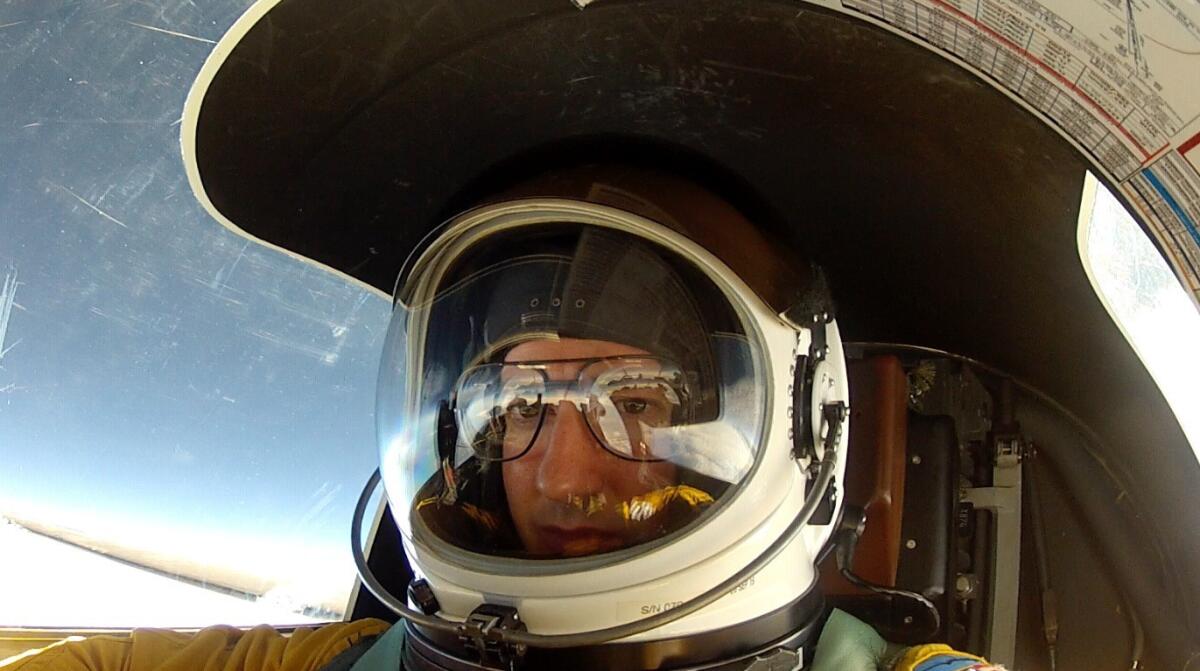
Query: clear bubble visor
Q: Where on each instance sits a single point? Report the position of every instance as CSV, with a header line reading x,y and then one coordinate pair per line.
x,y
565,391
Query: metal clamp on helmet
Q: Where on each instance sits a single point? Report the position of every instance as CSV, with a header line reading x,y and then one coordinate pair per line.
x,y
483,626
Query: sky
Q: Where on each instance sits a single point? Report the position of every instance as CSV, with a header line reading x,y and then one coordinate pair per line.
x,y
225,396
235,406
164,380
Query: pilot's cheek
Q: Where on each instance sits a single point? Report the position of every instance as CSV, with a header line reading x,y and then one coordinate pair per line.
x,y
658,474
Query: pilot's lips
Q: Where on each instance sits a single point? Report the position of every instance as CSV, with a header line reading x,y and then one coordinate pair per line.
x,y
579,541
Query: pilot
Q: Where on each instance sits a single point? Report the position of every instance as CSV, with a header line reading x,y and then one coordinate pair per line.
x,y
612,416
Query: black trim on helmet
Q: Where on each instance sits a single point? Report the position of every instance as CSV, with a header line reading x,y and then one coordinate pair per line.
x,y
792,627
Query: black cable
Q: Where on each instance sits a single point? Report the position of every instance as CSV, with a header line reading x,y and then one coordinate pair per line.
x,y
846,543
812,501
368,577
1046,593
892,591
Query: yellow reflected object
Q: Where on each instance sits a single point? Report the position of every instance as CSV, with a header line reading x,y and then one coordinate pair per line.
x,y
647,505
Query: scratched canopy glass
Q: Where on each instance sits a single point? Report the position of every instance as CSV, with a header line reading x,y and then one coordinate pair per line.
x,y
565,391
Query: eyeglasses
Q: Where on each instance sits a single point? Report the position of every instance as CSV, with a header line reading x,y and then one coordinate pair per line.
x,y
629,404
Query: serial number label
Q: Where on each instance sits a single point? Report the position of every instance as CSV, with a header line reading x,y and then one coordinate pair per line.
x,y
626,609
652,608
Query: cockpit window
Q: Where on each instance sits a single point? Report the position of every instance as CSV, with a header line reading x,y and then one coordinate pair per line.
x,y
185,425
1145,299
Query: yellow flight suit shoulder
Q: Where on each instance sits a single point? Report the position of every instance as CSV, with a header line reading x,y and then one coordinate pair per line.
x,y
219,648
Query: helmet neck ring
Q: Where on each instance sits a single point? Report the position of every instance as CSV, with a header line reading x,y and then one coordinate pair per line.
x,y
787,630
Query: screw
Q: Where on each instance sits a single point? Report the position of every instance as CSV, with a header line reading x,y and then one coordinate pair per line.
x,y
964,586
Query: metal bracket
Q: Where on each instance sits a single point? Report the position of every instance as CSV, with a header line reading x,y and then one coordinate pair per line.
x,y
1003,499
483,633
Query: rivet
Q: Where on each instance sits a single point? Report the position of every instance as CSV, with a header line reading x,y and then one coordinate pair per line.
x,y
910,544
916,458
908,619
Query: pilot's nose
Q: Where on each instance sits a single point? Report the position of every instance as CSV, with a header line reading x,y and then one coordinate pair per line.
x,y
572,461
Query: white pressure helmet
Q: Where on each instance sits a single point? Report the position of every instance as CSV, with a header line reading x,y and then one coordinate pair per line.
x,y
612,422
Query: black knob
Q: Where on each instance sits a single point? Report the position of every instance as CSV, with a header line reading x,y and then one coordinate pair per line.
x,y
421,595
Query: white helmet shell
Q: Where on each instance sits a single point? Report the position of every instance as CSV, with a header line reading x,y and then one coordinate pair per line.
x,y
573,594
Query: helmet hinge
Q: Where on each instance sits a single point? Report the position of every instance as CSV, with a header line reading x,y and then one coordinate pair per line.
x,y
483,633
804,366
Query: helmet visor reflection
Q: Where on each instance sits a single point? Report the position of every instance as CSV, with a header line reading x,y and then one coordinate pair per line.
x,y
627,401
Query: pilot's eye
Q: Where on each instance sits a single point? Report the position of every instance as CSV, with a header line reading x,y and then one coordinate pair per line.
x,y
522,409
632,406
